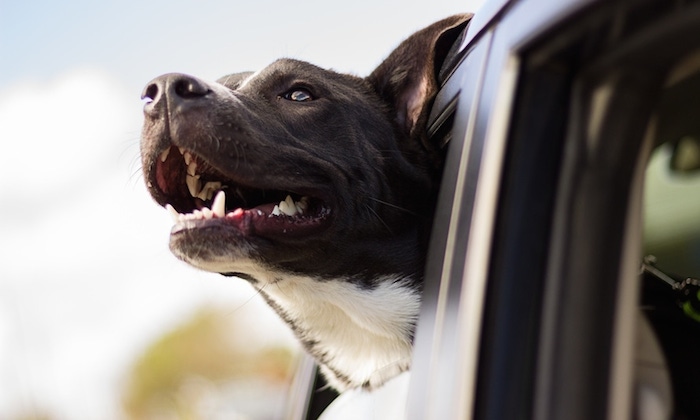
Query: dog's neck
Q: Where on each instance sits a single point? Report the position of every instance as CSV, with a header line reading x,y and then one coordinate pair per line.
x,y
360,336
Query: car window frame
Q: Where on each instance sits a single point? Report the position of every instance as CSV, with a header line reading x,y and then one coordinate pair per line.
x,y
445,392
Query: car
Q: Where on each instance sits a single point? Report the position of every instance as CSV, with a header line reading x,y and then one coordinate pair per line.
x,y
560,281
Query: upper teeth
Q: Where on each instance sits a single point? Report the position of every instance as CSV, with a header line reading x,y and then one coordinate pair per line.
x,y
192,179
205,192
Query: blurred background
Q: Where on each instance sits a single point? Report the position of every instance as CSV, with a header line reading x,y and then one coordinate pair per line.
x,y
97,319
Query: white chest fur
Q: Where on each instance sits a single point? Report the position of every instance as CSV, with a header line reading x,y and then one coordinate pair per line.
x,y
361,336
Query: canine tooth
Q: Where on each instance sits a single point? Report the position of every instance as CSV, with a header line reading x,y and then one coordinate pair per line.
x,y
182,150
193,184
219,205
173,213
188,158
276,211
191,168
164,155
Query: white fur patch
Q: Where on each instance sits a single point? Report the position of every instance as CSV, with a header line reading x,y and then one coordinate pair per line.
x,y
363,335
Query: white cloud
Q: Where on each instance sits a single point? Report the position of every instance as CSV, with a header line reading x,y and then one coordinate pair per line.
x,y
54,132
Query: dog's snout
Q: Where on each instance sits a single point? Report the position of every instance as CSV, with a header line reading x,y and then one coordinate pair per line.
x,y
174,88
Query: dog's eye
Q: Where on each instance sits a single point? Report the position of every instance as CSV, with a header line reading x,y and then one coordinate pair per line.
x,y
298,95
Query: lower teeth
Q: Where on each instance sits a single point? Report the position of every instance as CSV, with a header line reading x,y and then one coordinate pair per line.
x,y
287,207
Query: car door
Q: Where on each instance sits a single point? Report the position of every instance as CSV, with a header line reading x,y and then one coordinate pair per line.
x,y
532,305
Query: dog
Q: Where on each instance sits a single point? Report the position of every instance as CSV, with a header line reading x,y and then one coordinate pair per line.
x,y
317,187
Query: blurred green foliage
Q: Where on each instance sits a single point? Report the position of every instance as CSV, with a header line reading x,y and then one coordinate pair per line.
x,y
182,369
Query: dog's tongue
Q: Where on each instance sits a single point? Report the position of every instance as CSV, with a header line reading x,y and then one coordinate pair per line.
x,y
287,218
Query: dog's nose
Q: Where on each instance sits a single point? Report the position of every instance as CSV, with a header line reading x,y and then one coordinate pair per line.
x,y
172,87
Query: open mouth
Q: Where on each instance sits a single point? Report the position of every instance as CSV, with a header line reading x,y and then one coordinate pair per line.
x,y
197,195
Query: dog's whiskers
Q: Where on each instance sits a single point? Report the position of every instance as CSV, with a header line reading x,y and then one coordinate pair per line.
x,y
240,155
134,159
217,143
258,292
135,176
394,206
371,210
136,170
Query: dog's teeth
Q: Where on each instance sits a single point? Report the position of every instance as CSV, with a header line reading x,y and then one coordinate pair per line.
x,y
188,158
289,200
207,191
173,213
208,214
287,206
182,150
164,155
303,204
276,211
219,205
191,167
193,184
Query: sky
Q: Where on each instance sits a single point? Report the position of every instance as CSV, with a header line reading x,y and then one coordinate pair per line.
x,y
86,278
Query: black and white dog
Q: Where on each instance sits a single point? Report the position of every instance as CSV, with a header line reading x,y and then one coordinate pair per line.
x,y
316,187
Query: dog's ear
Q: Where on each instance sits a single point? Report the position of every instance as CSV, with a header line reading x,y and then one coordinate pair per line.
x,y
407,79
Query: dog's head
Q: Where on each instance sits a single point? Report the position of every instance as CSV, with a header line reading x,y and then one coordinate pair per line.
x,y
297,169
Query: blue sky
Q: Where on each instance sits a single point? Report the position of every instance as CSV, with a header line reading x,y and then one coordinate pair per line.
x,y
86,280
137,39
